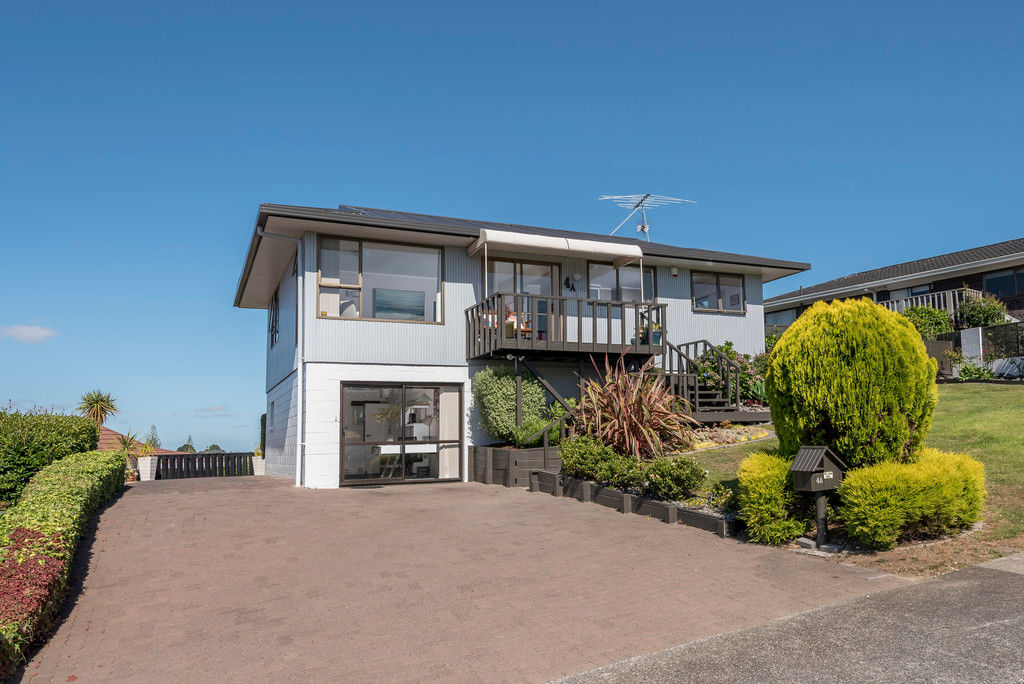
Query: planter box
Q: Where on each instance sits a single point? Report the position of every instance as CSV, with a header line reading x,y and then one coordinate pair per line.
x,y
664,511
581,490
613,498
147,468
712,522
259,466
511,467
546,481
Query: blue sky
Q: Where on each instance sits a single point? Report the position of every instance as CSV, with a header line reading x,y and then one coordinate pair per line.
x,y
138,140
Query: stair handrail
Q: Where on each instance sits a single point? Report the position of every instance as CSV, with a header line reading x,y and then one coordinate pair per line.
x,y
728,369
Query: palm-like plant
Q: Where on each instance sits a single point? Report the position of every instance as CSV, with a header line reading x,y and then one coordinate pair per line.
x,y
635,413
97,406
128,443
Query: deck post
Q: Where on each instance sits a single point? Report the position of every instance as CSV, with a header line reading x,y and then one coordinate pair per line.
x,y
519,393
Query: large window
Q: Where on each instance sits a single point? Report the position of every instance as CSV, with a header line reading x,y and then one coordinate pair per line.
x,y
400,432
1005,283
379,280
623,284
718,292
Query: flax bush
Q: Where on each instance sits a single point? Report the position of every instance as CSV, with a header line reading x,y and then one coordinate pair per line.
x,y
855,377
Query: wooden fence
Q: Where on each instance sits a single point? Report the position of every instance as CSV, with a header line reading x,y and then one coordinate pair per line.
x,y
510,467
174,467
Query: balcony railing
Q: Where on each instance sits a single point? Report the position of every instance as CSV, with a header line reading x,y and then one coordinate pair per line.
x,y
947,300
509,322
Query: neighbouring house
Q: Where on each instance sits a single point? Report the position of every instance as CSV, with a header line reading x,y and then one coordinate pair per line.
x,y
109,441
939,282
377,321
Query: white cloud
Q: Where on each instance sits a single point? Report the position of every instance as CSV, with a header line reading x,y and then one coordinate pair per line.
x,y
218,411
29,334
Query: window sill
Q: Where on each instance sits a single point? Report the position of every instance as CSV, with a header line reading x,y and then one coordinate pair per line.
x,y
725,312
379,320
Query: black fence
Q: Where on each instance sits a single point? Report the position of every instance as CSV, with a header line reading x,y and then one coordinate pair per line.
x,y
1003,341
175,467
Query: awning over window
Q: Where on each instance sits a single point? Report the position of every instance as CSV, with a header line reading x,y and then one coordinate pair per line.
x,y
619,253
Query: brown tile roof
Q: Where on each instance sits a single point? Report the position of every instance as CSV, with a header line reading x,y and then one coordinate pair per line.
x,y
109,442
964,258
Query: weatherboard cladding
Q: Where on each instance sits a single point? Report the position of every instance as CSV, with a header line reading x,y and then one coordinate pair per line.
x,y
962,258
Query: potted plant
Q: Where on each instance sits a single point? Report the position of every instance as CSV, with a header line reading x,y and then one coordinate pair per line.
x,y
147,462
650,333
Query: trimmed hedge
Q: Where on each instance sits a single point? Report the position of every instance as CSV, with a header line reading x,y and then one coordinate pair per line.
x,y
939,493
32,440
38,537
766,499
670,479
855,377
929,322
494,392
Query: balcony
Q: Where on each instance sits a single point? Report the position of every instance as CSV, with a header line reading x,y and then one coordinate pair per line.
x,y
547,325
947,300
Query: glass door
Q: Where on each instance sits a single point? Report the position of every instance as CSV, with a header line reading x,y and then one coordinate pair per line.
x,y
396,433
530,317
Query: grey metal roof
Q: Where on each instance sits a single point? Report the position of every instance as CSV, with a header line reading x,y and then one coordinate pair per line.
x,y
808,458
447,225
964,258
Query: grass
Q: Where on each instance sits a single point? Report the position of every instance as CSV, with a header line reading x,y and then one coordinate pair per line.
x,y
983,420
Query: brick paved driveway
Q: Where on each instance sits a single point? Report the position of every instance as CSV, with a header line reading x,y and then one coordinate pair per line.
x,y
251,579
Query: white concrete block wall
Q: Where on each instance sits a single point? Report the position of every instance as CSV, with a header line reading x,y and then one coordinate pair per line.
x,y
281,433
322,409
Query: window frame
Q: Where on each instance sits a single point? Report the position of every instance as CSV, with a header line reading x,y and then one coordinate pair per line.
x,y
440,442
342,286
718,291
618,280
274,318
1015,277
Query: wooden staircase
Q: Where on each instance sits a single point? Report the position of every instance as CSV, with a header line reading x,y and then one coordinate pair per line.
x,y
679,364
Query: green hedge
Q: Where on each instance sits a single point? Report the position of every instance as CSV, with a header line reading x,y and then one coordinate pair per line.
x,y
671,479
38,537
939,493
31,440
929,322
766,500
494,391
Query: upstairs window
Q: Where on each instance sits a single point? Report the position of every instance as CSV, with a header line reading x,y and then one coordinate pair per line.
x,y
274,319
1005,283
621,284
718,292
378,280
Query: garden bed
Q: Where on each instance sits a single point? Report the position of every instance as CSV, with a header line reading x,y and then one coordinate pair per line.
x,y
670,512
725,434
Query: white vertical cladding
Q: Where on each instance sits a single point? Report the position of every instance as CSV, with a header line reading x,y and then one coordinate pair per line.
x,y
323,409
281,358
684,324
282,428
390,342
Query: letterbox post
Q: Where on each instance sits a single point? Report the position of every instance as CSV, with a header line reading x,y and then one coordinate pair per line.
x,y
821,517
817,471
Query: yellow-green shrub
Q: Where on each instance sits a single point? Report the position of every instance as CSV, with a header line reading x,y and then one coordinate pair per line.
x,y
767,501
887,502
855,377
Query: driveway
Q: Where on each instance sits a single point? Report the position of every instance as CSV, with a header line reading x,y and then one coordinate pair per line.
x,y
962,627
251,579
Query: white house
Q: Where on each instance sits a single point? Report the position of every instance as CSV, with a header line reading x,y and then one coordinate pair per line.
x,y
377,321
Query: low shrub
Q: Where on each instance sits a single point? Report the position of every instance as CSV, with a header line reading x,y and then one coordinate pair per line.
x,y
981,312
888,502
522,434
929,322
38,537
766,500
673,479
31,440
970,371
751,371
494,391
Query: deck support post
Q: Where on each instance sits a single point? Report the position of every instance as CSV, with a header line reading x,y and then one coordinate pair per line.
x,y
519,393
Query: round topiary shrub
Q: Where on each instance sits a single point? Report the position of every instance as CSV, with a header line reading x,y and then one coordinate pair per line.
x,y
855,377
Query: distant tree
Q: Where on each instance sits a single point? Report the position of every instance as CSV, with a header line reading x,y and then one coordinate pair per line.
x,y
188,447
97,406
153,439
212,447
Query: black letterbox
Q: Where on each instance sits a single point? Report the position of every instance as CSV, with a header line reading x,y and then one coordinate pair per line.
x,y
816,469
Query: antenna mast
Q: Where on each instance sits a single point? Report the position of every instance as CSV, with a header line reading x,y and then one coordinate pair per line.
x,y
641,203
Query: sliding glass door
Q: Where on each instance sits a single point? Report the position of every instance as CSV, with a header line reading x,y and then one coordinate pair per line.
x,y
529,317
398,433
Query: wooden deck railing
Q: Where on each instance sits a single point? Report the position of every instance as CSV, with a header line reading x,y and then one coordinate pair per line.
x,y
508,322
946,300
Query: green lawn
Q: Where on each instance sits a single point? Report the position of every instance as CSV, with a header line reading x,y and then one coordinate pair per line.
x,y
986,421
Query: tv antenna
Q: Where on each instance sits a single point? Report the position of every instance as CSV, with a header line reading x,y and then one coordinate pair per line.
x,y
641,203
